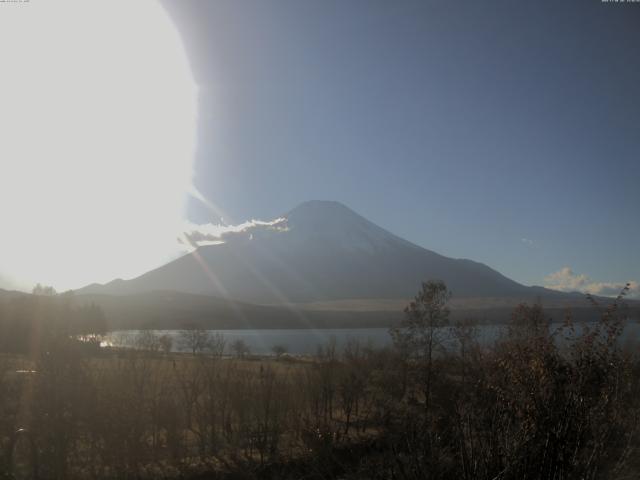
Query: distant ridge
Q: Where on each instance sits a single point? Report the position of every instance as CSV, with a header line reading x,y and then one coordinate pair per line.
x,y
7,294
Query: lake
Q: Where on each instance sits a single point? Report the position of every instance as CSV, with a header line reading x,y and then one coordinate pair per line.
x,y
306,341
260,342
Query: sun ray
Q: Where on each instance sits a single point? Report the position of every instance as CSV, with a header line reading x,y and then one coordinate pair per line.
x,y
220,287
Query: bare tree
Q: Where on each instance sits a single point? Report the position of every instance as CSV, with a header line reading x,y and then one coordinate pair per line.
x,y
196,340
166,343
279,350
148,341
45,290
421,332
216,344
240,348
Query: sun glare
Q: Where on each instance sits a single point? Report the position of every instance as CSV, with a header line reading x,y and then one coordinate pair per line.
x,y
97,122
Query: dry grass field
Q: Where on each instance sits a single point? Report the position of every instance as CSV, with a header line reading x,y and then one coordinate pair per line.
x,y
541,402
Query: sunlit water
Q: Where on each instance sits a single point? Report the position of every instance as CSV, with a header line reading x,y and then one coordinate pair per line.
x,y
307,341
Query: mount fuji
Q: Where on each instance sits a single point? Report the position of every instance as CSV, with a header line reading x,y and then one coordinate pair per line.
x,y
320,251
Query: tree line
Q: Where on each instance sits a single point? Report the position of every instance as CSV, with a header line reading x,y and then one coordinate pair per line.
x,y
28,320
539,403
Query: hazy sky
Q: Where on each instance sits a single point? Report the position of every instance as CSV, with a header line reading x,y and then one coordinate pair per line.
x,y
506,132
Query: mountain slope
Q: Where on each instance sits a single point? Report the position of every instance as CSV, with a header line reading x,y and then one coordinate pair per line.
x,y
327,252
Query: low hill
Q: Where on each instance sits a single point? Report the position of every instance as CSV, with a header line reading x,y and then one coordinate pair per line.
x,y
176,310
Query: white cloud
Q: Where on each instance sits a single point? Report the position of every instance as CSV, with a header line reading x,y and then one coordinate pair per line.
x,y
195,235
527,241
565,280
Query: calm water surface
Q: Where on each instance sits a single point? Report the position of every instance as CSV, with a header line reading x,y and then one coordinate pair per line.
x,y
306,341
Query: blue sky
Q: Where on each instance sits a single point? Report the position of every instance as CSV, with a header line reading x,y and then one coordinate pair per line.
x,y
505,132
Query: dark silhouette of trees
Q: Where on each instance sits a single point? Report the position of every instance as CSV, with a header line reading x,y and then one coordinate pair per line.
x,y
543,402
44,290
29,320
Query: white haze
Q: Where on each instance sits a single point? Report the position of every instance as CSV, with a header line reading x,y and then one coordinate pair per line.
x,y
98,115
